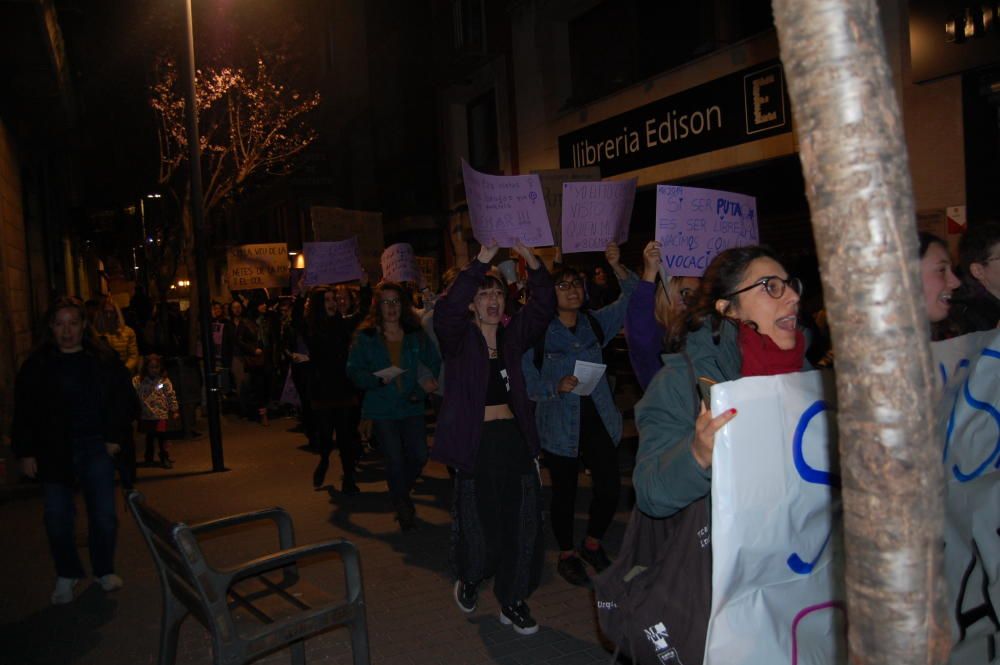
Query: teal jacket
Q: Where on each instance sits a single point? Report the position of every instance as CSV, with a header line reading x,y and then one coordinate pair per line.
x,y
403,397
666,476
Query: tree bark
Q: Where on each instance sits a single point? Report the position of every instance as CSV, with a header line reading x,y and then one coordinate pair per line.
x,y
854,160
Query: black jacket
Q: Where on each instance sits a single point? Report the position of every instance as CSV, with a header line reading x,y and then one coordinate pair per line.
x,y
41,427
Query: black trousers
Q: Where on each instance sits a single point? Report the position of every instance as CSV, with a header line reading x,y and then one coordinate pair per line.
x,y
300,377
497,525
337,419
599,454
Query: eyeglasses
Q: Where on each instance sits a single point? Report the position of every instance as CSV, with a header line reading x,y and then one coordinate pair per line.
x,y
774,285
565,285
389,301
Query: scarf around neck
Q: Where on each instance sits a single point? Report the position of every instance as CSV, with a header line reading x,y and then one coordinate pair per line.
x,y
762,357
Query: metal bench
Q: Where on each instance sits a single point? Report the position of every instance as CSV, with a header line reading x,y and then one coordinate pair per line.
x,y
254,608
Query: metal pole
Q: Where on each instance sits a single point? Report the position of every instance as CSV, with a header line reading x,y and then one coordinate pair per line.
x,y
854,159
201,257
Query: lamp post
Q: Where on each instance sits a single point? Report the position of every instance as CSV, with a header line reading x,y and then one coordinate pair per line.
x,y
201,257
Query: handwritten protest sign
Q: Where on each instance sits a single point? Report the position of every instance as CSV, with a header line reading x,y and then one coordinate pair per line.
x,y
331,262
694,224
777,564
399,264
257,266
596,213
552,189
339,224
777,568
506,208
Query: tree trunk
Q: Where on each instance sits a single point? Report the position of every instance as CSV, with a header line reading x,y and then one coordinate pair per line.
x,y
858,185
188,257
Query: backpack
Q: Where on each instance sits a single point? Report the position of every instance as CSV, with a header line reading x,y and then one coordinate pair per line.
x,y
539,349
655,599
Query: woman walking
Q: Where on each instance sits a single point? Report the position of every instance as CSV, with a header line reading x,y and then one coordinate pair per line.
x,y
391,342
486,430
576,427
73,405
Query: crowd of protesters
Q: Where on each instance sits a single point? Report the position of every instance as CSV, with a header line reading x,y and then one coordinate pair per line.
x,y
496,351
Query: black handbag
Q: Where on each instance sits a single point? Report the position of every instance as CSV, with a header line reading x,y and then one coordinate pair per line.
x,y
655,600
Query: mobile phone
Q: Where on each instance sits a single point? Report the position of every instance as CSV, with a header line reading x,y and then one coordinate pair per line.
x,y
705,390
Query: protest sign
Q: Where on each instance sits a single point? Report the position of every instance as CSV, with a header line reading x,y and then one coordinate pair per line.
x,y
777,570
969,418
331,262
506,208
777,573
399,264
694,224
596,213
257,266
340,224
552,189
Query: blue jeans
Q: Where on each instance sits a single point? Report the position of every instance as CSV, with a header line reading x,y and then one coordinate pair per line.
x,y
94,469
404,444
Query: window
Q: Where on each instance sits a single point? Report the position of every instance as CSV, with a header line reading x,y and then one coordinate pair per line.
x,y
481,120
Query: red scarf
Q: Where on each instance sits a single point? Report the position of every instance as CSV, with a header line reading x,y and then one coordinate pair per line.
x,y
762,357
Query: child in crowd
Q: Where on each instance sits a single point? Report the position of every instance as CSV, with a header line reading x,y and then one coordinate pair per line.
x,y
159,403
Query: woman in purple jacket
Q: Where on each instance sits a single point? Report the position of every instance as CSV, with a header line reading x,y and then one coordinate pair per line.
x,y
656,319
486,430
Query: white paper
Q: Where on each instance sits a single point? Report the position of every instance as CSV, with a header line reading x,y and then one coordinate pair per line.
x,y
389,373
588,374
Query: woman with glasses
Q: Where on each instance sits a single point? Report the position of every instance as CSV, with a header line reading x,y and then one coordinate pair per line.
x,y
656,319
744,323
388,349
486,430
577,427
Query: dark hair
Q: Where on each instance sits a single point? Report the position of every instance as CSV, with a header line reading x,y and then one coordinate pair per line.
x,y
408,320
722,277
928,239
976,243
229,308
565,270
144,369
317,308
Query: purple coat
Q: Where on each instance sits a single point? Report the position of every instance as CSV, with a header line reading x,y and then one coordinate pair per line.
x,y
466,363
643,334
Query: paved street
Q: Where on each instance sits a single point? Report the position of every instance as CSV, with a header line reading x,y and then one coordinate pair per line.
x,y
412,617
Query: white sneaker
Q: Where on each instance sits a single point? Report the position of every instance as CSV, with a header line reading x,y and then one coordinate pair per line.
x,y
63,593
110,582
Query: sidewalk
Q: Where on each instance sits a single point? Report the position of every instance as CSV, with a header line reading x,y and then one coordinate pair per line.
x,y
412,617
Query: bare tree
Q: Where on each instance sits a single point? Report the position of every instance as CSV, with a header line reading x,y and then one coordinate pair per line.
x,y
252,127
853,156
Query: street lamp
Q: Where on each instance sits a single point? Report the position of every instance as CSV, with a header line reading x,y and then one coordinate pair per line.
x,y
212,382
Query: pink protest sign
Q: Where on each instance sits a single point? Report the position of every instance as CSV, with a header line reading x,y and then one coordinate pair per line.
x,y
506,208
694,224
331,262
399,264
596,213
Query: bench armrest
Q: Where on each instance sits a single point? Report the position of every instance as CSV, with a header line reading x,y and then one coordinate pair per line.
x,y
282,520
261,565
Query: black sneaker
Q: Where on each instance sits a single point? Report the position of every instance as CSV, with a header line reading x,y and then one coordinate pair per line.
x,y
466,596
518,616
574,572
350,488
597,558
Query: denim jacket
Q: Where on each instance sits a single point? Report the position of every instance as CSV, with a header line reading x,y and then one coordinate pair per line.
x,y
558,415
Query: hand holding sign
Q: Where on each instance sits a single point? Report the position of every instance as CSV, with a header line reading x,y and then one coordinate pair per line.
x,y
506,208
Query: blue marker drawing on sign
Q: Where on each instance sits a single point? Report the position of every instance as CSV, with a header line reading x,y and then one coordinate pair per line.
x,y
994,457
810,475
